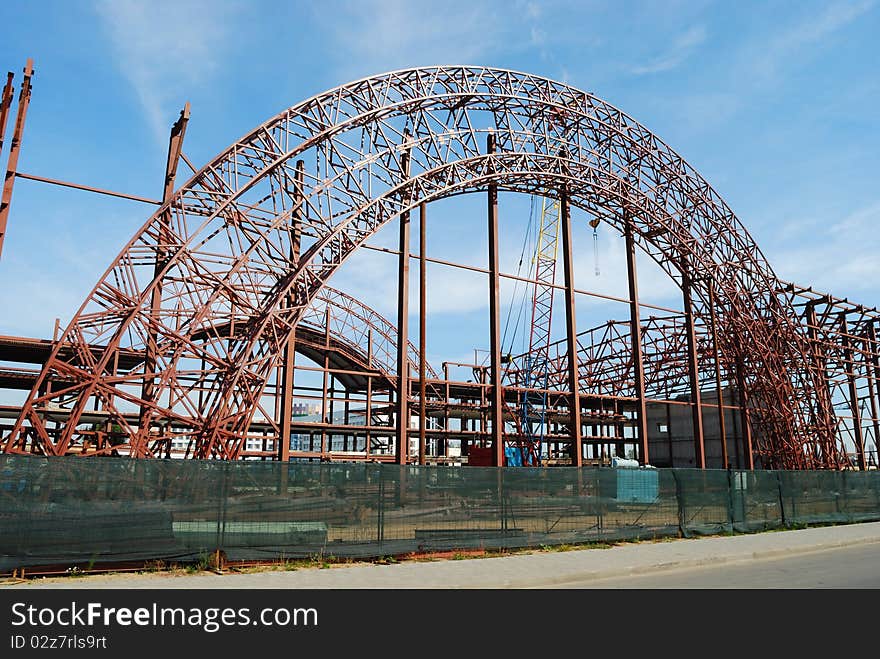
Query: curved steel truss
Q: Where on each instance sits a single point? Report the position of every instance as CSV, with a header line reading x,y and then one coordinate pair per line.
x,y
212,287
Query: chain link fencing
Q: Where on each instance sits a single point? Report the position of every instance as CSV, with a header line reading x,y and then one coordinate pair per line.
x,y
67,511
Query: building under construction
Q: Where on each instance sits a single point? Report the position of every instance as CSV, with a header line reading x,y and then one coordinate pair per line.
x,y
214,334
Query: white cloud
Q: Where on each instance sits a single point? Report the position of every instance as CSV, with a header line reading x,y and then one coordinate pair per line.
x,y
682,48
788,45
371,277
845,251
834,17
164,47
379,35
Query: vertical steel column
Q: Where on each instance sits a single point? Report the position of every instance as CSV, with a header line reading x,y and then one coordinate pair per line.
x,y
737,443
496,409
820,367
853,390
866,358
5,103
288,360
722,430
875,382
576,447
463,450
635,328
369,412
744,416
423,313
402,448
148,394
694,374
24,99
326,411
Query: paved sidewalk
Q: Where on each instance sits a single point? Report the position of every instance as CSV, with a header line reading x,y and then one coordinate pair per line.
x,y
535,570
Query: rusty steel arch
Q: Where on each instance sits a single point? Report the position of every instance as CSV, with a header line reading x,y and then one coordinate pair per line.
x,y
362,328
219,252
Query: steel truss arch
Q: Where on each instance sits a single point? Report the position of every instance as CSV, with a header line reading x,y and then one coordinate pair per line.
x,y
223,245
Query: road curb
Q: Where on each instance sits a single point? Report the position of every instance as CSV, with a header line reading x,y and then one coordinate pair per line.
x,y
706,561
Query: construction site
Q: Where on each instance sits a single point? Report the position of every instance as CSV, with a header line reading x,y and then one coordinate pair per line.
x,y
258,374
216,333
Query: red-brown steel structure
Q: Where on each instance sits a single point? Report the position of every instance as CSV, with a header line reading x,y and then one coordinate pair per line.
x,y
190,335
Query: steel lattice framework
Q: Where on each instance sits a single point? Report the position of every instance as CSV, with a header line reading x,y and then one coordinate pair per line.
x,y
212,287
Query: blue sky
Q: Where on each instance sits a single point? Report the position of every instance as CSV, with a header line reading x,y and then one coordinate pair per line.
x,y
774,103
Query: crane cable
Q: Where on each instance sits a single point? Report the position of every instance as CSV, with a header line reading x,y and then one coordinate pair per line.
x,y
521,307
595,224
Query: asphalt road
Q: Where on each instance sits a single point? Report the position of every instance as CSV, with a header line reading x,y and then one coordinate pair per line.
x,y
846,567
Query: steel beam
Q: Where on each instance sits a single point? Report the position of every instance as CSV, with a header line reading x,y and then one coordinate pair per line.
x,y
326,409
148,390
577,452
6,99
635,325
423,314
745,421
874,379
403,418
87,188
24,99
716,357
693,374
289,357
495,397
820,367
850,366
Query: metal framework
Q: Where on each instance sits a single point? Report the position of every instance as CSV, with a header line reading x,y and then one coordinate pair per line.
x,y
534,408
185,335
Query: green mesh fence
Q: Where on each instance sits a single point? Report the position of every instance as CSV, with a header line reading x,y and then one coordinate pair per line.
x,y
67,511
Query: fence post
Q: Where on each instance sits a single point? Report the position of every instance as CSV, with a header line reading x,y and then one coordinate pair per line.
x,y
501,500
380,507
221,511
730,504
679,498
781,500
